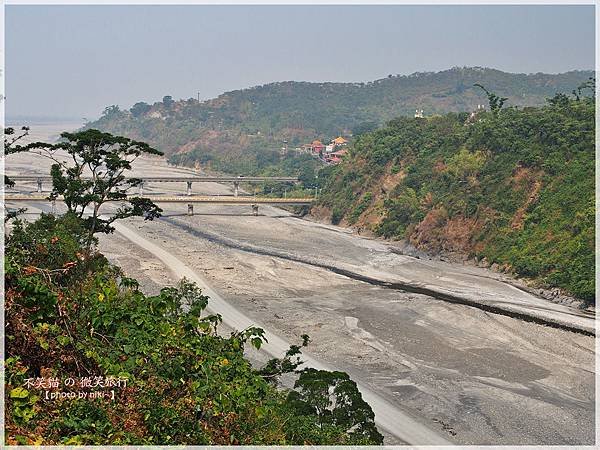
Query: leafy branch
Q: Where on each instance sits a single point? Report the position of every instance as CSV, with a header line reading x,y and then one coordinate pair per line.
x,y
496,102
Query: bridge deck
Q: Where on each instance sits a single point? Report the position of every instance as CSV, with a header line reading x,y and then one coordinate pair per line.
x,y
175,179
188,199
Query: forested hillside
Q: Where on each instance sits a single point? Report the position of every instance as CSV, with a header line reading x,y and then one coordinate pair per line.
x,y
243,131
512,186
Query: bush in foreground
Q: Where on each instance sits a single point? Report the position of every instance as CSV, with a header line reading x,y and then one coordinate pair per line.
x,y
71,314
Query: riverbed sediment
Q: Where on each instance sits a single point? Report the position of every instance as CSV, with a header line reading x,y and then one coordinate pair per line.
x,y
475,376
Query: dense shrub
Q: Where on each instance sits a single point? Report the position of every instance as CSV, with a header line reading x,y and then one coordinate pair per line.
x,y
69,313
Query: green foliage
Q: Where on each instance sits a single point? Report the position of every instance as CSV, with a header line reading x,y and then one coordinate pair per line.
x,y
11,139
495,102
112,112
69,313
23,402
52,244
96,175
139,109
360,208
402,211
465,164
332,398
336,216
365,127
276,367
168,101
518,186
242,131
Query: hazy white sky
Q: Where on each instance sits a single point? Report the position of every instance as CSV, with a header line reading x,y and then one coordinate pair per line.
x,y
72,61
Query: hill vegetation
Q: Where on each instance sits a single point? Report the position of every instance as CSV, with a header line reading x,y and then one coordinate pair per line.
x,y
513,187
76,327
243,131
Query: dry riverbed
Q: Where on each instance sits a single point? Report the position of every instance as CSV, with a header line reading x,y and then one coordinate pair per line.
x,y
478,377
473,376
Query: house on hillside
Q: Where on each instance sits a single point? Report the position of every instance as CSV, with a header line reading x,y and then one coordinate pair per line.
x,y
335,157
339,141
327,153
340,153
317,147
306,148
335,144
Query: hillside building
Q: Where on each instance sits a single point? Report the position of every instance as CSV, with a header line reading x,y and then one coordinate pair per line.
x,y
338,141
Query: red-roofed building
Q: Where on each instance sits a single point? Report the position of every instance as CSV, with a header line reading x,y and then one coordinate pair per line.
x,y
340,153
317,146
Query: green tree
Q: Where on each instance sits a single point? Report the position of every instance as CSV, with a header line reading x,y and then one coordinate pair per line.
x,y
465,164
559,100
496,102
590,85
95,175
11,146
334,399
139,109
276,367
168,101
364,127
71,313
112,111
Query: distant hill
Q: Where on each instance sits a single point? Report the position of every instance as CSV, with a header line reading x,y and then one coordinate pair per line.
x,y
243,130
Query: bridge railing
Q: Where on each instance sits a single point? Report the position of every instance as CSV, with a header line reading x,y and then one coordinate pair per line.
x,y
189,200
188,180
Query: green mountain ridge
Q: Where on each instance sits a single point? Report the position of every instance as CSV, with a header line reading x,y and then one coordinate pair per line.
x,y
243,130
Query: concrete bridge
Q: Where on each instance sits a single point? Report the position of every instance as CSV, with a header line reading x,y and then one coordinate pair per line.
x,y
189,200
189,180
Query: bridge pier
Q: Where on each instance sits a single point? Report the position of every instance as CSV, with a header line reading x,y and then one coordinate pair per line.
x,y
236,188
255,209
190,209
39,185
189,188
